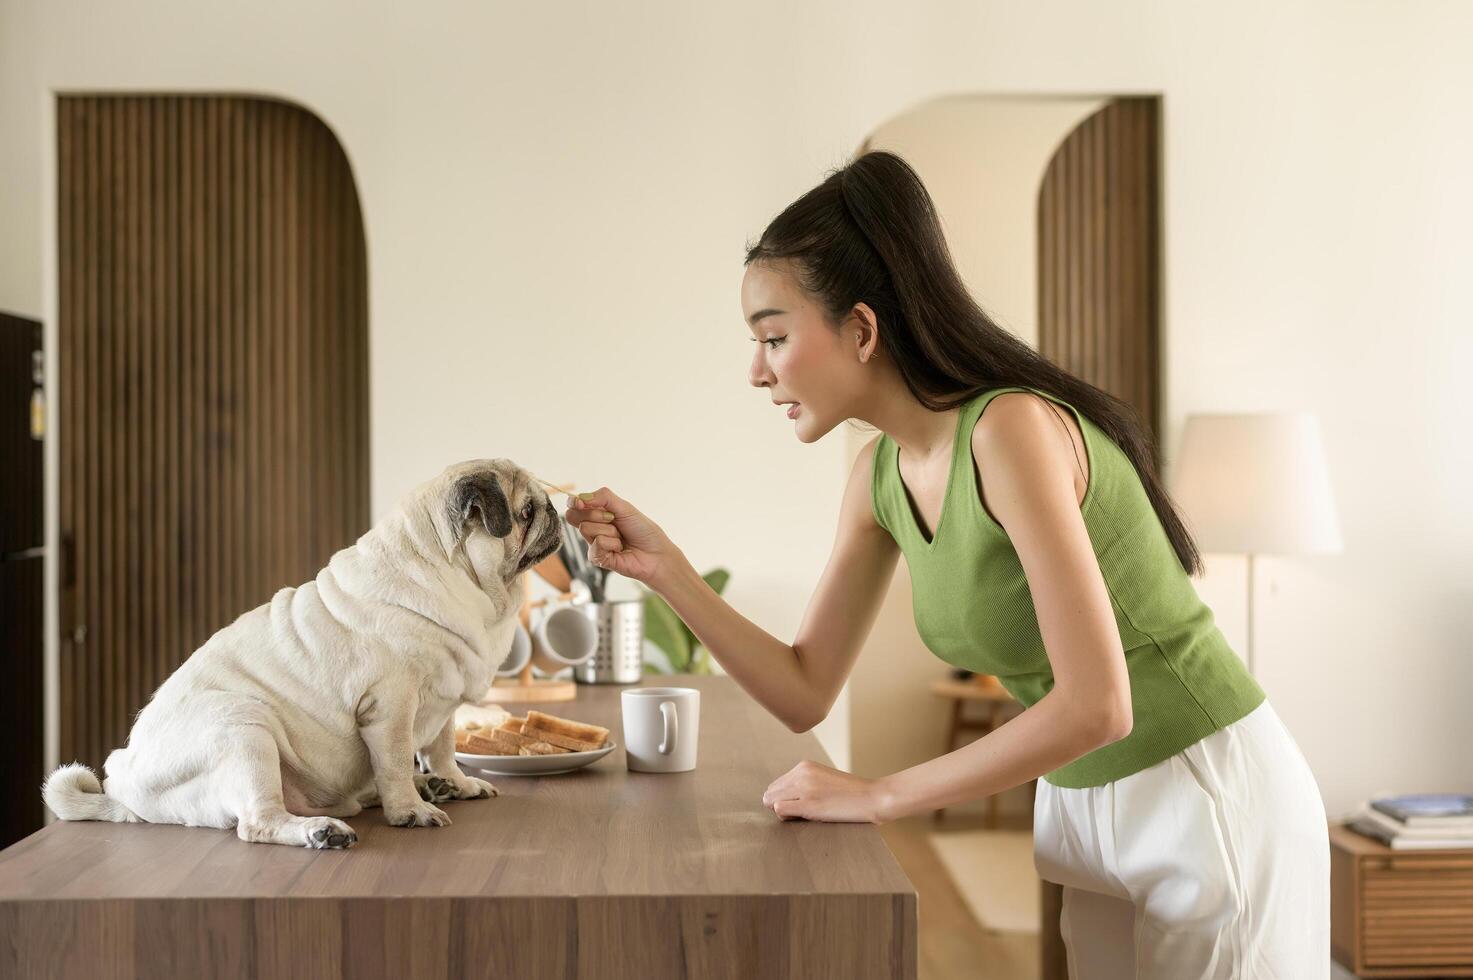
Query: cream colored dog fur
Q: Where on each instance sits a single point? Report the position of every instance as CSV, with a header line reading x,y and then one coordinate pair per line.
x,y
313,706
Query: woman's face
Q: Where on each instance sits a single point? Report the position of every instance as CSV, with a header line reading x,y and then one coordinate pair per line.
x,y
800,357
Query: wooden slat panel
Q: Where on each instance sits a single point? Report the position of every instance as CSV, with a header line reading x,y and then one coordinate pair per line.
x,y
68,171
1411,865
1098,246
1098,282
213,402
212,564
1460,931
133,341
1401,959
1459,881
106,654
1398,913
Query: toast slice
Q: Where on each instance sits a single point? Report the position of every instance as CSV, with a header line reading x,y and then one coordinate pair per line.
x,y
512,724
523,740
594,734
539,748
486,743
564,742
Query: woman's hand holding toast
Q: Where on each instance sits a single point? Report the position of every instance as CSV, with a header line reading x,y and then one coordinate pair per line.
x,y
622,539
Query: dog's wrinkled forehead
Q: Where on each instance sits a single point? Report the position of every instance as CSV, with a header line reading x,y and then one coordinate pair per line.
x,y
490,490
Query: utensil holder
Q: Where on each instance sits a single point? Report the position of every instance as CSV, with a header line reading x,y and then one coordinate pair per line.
x,y
619,657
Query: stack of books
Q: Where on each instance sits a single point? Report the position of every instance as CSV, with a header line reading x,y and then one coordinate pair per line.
x,y
1419,821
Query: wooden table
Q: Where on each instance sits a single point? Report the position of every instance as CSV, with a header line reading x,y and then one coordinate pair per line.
x,y
602,874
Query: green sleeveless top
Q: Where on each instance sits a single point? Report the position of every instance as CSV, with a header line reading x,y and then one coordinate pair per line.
x,y
973,608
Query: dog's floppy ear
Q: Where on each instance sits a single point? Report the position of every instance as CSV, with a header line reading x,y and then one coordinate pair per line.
x,y
481,492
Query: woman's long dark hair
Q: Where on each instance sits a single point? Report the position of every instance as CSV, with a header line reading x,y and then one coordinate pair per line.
x,y
869,234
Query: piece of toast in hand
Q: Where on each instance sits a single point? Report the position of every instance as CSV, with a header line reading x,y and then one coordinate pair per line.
x,y
589,734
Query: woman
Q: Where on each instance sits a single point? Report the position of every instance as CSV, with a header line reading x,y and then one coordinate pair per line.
x,y
1173,806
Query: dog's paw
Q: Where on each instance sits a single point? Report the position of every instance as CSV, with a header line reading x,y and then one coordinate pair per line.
x,y
473,788
417,814
326,833
434,789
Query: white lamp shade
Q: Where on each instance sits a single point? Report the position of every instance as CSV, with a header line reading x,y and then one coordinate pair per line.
x,y
1256,484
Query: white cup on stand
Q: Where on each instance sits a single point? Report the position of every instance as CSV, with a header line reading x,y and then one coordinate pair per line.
x,y
661,728
564,637
516,657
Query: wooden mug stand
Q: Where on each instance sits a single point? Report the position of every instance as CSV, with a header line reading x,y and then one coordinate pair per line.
x,y
524,688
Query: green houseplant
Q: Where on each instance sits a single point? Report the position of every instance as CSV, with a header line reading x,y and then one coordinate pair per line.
x,y
683,652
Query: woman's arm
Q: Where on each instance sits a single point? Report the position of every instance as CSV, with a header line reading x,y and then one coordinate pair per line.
x,y
1040,740
1028,485
798,683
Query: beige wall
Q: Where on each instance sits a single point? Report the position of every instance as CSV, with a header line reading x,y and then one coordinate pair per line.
x,y
571,186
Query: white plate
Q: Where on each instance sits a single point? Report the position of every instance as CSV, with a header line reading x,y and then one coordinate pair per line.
x,y
533,765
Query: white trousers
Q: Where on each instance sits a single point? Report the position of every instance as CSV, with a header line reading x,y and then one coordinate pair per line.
x,y
1213,864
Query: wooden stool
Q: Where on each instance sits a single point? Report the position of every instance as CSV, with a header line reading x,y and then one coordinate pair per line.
x,y
986,689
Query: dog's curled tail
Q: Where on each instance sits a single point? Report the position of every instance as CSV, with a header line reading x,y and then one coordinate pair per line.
x,y
73,793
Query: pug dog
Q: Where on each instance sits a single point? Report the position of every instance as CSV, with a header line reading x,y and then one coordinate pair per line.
x,y
315,705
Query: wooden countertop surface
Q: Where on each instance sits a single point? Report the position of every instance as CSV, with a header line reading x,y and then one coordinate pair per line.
x,y
600,831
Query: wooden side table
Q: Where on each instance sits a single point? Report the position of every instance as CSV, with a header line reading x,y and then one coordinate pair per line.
x,y
1399,913
997,702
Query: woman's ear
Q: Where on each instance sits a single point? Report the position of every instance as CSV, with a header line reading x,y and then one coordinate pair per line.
x,y
866,335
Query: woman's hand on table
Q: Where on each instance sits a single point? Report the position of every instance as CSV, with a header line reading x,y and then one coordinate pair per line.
x,y
622,539
811,791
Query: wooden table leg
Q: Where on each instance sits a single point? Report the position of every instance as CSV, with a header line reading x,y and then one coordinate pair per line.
x,y
992,800
956,724
1053,958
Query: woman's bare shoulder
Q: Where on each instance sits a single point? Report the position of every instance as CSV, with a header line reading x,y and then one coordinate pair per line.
x,y
1019,432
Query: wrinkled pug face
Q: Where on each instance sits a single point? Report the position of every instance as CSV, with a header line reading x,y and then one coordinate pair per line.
x,y
498,498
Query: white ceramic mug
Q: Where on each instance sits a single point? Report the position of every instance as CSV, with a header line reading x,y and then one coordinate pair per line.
x,y
517,657
564,637
661,728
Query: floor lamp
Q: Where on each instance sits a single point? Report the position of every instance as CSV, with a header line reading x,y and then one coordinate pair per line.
x,y
1256,484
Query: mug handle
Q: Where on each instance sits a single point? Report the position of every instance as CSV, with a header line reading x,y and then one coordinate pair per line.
x,y
670,728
